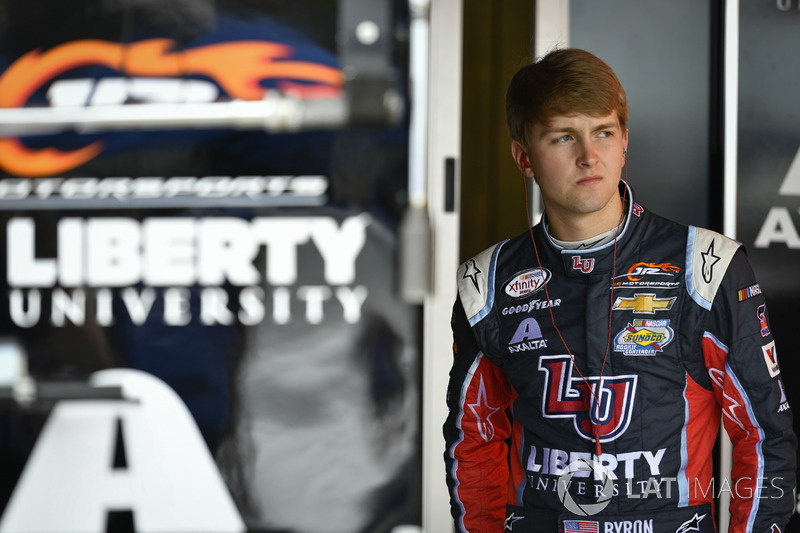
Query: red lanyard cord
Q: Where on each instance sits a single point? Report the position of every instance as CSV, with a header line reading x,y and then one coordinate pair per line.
x,y
597,446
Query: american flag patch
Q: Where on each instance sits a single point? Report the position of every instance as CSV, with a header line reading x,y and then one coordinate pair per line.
x,y
749,292
581,526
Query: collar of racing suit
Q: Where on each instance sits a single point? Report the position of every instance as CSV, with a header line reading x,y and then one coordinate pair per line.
x,y
602,259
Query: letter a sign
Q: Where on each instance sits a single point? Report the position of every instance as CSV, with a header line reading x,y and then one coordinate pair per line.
x,y
791,183
70,482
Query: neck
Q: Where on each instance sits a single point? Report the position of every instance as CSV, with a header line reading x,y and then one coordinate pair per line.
x,y
593,242
581,227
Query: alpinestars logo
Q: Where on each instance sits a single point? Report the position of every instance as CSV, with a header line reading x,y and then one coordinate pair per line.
x,y
691,525
472,272
483,412
709,260
605,403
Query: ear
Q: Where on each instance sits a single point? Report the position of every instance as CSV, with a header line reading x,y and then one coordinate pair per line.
x,y
521,158
625,147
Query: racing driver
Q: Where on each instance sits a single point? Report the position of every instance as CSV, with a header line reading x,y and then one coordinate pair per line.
x,y
596,353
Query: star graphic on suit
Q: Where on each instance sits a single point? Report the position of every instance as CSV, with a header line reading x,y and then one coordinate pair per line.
x,y
483,412
709,260
510,519
472,271
692,524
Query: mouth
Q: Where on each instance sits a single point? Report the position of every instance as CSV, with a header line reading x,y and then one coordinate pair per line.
x,y
588,180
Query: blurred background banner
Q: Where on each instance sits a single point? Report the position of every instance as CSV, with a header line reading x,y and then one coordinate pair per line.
x,y
210,192
768,200
768,203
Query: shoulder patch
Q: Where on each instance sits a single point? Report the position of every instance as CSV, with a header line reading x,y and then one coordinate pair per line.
x,y
476,283
708,255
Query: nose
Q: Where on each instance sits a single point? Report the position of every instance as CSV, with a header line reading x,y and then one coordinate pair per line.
x,y
587,155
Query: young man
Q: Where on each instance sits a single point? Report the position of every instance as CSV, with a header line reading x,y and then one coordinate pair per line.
x,y
595,354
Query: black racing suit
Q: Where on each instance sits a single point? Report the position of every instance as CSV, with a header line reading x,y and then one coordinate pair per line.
x,y
542,376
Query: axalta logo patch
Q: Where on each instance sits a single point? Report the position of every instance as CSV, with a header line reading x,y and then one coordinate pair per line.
x,y
527,282
644,337
527,337
784,405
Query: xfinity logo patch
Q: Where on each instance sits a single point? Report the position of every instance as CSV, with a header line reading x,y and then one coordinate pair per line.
x,y
527,282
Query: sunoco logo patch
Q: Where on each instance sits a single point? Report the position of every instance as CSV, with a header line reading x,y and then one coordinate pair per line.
x,y
527,282
644,337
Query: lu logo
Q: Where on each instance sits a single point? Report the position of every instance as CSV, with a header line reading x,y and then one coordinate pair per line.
x,y
584,265
608,405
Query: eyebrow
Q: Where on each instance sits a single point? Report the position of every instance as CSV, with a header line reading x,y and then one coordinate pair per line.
x,y
566,129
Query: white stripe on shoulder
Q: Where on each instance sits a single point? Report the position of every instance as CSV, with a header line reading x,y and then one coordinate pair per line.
x,y
708,255
476,283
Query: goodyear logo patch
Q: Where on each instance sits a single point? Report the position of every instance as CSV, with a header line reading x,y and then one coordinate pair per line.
x,y
644,337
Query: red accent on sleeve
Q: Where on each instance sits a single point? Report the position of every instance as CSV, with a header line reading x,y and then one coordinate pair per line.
x,y
480,456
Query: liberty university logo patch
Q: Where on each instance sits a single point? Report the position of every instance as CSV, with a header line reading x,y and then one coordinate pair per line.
x,y
606,403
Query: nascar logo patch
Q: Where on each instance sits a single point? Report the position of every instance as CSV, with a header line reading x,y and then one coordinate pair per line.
x,y
748,292
644,337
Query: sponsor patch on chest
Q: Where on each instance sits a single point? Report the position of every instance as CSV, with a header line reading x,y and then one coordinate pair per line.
x,y
644,337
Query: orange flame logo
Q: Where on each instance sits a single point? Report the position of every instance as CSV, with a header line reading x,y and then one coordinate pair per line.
x,y
637,270
238,67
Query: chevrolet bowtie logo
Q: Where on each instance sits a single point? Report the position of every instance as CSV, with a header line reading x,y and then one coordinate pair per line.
x,y
644,303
